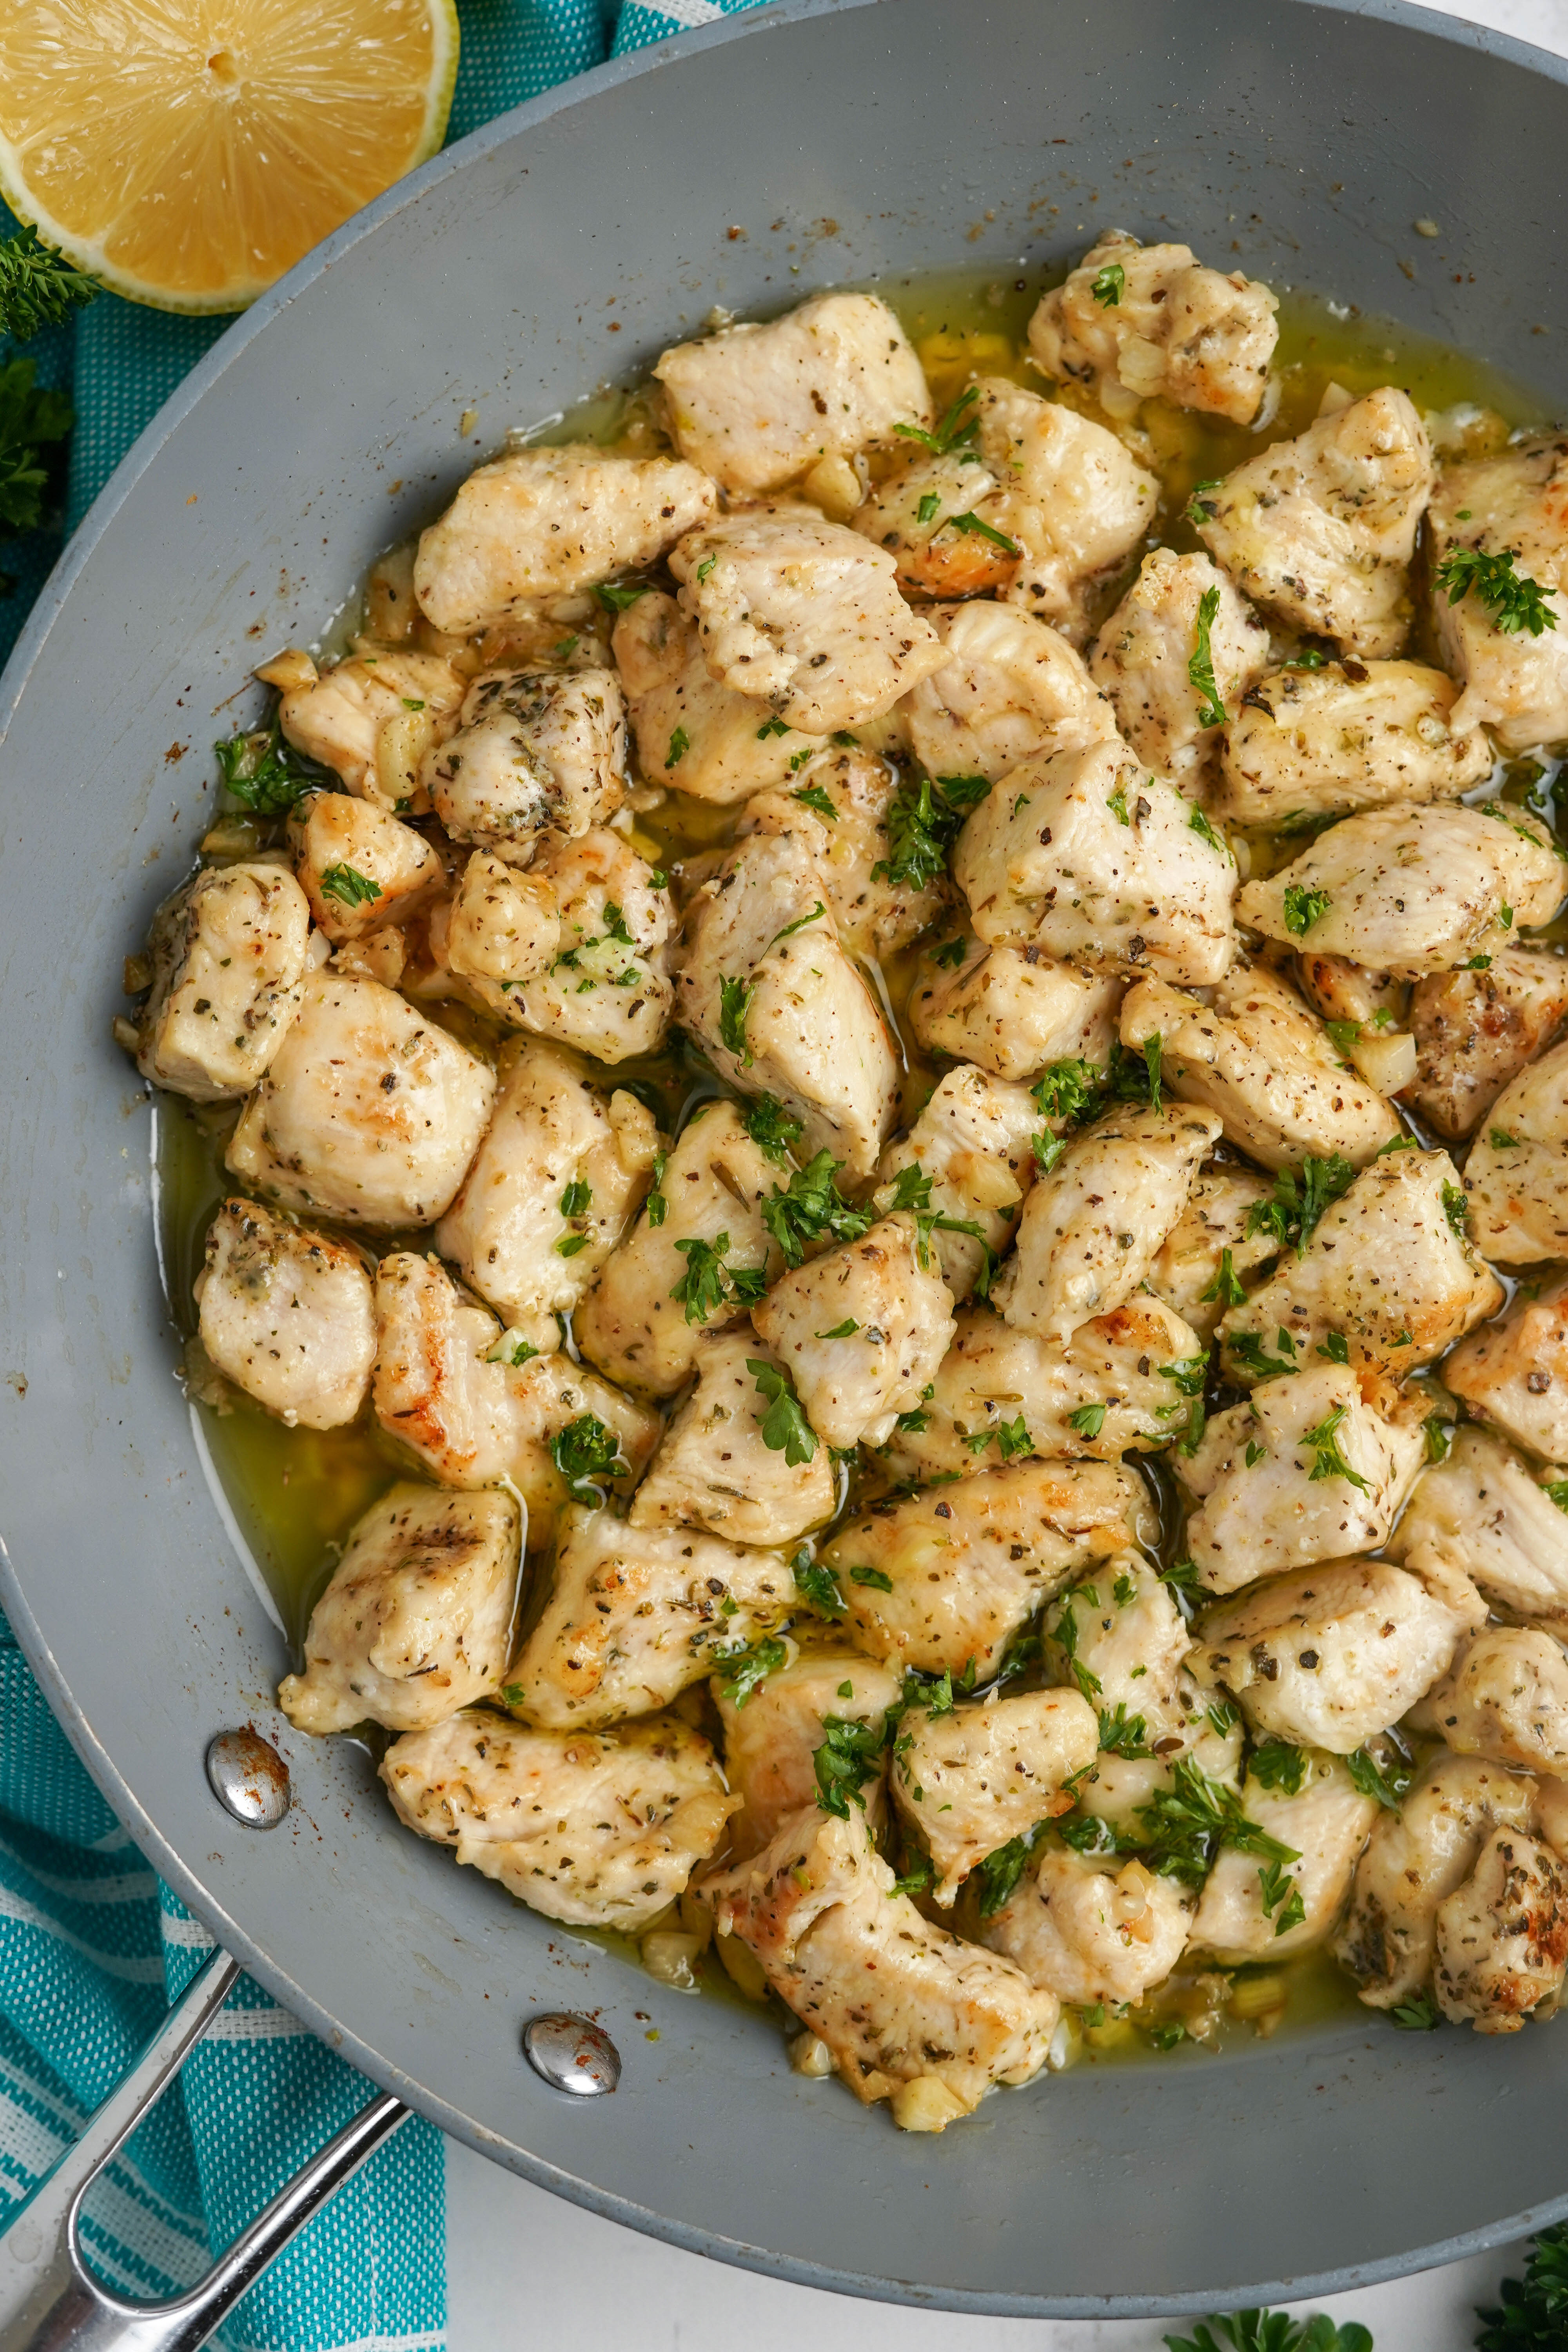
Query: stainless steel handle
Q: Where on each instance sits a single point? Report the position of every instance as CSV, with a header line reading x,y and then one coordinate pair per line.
x,y
49,2298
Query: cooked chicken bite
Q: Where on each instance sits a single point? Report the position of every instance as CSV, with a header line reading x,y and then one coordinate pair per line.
x,y
777,1004
359,868
555,1184
1327,1822
1321,530
973,1778
1352,735
1476,1031
1074,500
861,1329
692,732
636,1615
1181,614
537,752
1515,679
287,1316
480,1408
1516,1173
1086,856
711,1190
1115,1383
598,1829
1091,1931
229,954
1514,1372
925,515
1412,891
1138,321
1308,1470
606,989
715,1468
845,825
772,1737
1416,1860
1389,1267
1262,1059
912,2013
367,1113
1013,1010
503,927
969,1564
1189,1269
540,522
415,1621
756,405
1328,1655
803,615
1010,688
372,717
1502,1938
974,1139
1092,1227
1505,1697
1481,1508
1119,1635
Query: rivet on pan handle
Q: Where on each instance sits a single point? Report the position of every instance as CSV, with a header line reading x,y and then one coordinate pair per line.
x,y
49,2300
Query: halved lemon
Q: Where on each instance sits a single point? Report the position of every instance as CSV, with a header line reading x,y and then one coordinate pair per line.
x,y
186,153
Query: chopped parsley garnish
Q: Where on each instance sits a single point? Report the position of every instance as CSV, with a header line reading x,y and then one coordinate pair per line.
x,y
951,954
1064,1633
679,744
656,1206
744,1670
1255,1454
1455,1208
771,727
801,923
1108,285
845,1330
817,1586
616,925
585,1451
1153,1050
1329,1461
918,1879
575,1198
1250,1352
1557,1492
809,1206
513,1351
1199,509
1300,1198
1501,1141
1117,805
1012,1438
1345,1033
1281,1893
785,1428
261,770
770,1127
927,506
735,997
850,1755
1418,2015
923,821
1121,1733
1200,669
1303,907
1335,1348
708,1285
1069,1089
616,597
1387,1780
1514,600
976,523
1225,1289
877,1578
1439,1434
1198,822
349,886
815,797
1277,1765
1185,1825
955,429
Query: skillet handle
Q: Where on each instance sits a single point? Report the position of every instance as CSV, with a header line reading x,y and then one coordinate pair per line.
x,y
49,2301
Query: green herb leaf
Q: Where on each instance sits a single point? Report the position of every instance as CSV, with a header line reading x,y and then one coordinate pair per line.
x,y
850,1755
817,1586
1345,1033
1121,1733
1330,1462
877,1578
770,1127
1225,1289
585,1451
1387,1779
1514,600
617,597
1108,285
1418,2015
1000,1872
955,427
1247,1350
1532,2315
1276,1764
1089,1420
1501,1141
927,506
679,744
1199,509
1069,1090
1200,669
983,530
845,1330
1281,1893
1012,1438
815,797
950,954
1153,1049
810,1206
1335,1350
575,1198
349,886
265,773
1198,822
743,1672
1439,1437
1455,1208
735,997
1303,907
924,817
800,923
39,287
785,1428
1185,1826
1299,1198
708,1284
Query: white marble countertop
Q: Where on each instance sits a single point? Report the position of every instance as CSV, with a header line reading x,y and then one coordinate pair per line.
x,y
519,2262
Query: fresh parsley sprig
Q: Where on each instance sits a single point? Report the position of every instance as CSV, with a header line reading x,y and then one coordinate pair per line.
x,y
39,287
924,819
1514,600
1200,669
1300,1196
584,1452
811,1206
709,1284
784,1427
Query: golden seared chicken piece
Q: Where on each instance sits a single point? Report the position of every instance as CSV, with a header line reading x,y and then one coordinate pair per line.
x,y
1516,501
974,1139
541,522
861,1329
606,989
636,1615
715,1468
1138,321
1010,688
1190,1270
936,515
1086,856
1505,1697
596,1829
1119,1635
911,2014
1514,1374
477,1405
803,613
840,811
1416,1860
555,1184
288,1315
1389,1267
1502,1939
946,1576
230,955
1352,735
1328,1655
709,1199
973,1778
537,752
416,1621
1307,1470
1090,1228
503,927
1180,620
1118,1382
1327,1820
756,405
1412,891
691,733
359,868
1091,1930
1074,501
1476,1031
1260,1057
372,717
1516,1173
1482,1509
1321,530
777,1004
368,1113
771,1735
1013,1010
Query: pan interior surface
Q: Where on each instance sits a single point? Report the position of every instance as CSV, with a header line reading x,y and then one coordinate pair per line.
x,y
746,166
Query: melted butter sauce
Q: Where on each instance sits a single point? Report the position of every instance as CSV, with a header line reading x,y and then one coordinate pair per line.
x,y
297,1493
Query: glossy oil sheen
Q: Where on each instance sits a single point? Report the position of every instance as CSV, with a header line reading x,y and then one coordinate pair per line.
x,y
325,427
